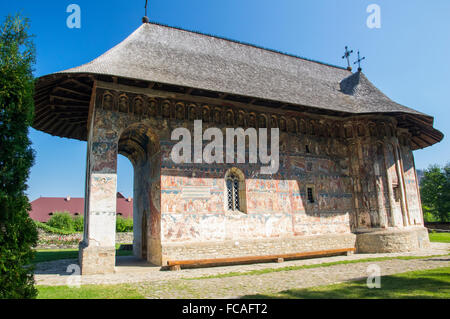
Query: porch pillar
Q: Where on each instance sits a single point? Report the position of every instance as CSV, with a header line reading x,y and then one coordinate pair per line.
x,y
97,250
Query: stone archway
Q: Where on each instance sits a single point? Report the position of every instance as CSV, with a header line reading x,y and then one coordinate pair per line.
x,y
140,145
144,236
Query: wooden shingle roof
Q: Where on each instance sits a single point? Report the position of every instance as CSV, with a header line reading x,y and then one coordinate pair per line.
x,y
166,55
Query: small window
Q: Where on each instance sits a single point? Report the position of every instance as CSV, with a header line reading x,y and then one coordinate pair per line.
x,y
307,149
120,214
309,167
235,199
50,214
310,193
76,214
396,190
233,192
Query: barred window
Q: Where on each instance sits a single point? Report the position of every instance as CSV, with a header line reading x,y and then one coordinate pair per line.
x,y
233,192
235,198
310,194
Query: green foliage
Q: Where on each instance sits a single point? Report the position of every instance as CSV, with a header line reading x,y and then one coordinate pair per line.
x,y
435,193
78,223
61,220
63,224
440,237
52,230
428,217
44,255
18,233
124,224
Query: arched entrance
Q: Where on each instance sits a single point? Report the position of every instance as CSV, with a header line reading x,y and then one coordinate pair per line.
x,y
141,146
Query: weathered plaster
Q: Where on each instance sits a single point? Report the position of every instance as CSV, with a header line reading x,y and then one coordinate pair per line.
x,y
360,169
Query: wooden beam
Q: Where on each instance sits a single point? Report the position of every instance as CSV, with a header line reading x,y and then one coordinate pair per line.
x,y
91,107
76,82
49,123
84,107
64,98
60,88
274,258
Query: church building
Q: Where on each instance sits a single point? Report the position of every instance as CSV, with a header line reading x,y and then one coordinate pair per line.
x,y
346,179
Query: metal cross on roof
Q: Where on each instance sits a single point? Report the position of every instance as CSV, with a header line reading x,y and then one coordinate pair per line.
x,y
145,19
347,56
359,62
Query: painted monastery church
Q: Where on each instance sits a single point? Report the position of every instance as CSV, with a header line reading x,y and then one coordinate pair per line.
x,y
346,180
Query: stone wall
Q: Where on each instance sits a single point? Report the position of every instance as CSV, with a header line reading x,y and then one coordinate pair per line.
x,y
262,247
359,170
54,241
193,196
393,240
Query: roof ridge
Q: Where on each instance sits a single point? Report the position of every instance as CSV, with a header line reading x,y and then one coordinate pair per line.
x,y
247,44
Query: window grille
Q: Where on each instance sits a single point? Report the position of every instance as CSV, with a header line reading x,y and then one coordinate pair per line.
x,y
233,192
310,195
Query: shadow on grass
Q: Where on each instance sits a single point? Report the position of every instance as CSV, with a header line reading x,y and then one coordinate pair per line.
x,y
51,255
433,283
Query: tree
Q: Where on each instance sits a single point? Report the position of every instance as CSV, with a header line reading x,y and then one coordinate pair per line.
x,y
435,192
18,233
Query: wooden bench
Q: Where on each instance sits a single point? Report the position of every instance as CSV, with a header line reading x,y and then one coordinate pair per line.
x,y
178,264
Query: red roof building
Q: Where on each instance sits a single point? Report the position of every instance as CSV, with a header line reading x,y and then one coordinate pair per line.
x,y
44,207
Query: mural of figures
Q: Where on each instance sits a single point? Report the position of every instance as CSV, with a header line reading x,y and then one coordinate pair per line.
x,y
330,179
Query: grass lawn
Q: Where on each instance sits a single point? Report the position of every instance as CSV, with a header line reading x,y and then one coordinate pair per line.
x,y
123,291
433,283
43,255
440,237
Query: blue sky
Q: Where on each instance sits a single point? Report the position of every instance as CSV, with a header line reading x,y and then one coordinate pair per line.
x,y
407,58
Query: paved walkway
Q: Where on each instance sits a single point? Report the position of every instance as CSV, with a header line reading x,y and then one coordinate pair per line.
x,y
269,283
155,283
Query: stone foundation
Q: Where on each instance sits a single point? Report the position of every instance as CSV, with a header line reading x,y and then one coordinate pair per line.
x,y
392,240
97,260
209,250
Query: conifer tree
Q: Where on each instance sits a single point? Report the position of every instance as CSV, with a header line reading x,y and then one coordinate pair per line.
x,y
18,233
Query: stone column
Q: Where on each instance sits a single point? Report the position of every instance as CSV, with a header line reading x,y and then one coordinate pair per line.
x,y
97,250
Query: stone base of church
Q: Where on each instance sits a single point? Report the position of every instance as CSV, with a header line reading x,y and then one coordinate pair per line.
x,y
392,240
96,260
259,247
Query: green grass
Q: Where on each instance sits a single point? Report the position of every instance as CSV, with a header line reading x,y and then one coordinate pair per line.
x,y
433,283
123,291
440,237
342,262
43,255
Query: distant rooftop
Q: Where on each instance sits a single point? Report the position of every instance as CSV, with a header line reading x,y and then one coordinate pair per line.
x,y
43,208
